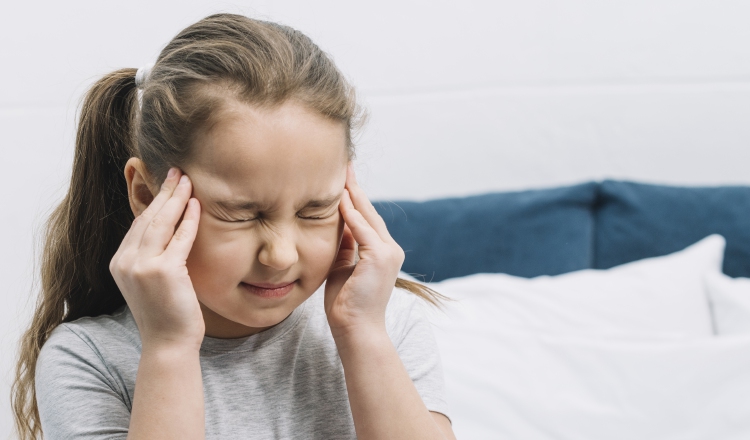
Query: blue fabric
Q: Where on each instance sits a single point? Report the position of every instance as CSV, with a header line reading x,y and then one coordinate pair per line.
x,y
636,220
527,233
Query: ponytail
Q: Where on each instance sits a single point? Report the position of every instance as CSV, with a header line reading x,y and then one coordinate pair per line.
x,y
82,233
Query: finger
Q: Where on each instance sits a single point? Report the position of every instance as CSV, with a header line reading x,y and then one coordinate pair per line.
x,y
361,230
182,240
347,254
364,206
139,226
134,236
162,226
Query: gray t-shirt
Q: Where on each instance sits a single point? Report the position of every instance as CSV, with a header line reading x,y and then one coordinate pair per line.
x,y
285,382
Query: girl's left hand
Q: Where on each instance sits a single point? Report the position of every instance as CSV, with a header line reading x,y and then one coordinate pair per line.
x,y
357,292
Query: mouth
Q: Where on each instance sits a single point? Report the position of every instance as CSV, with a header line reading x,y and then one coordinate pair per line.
x,y
266,290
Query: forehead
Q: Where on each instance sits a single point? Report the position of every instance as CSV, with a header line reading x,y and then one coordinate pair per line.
x,y
264,154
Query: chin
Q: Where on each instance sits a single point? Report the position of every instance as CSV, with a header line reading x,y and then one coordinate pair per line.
x,y
266,318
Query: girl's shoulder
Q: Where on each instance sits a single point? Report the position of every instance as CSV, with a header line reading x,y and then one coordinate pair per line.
x,y
99,331
404,314
92,340
87,353
92,360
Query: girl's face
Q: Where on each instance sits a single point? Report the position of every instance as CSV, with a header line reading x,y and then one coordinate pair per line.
x,y
269,181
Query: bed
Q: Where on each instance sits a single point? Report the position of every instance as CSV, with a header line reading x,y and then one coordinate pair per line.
x,y
602,310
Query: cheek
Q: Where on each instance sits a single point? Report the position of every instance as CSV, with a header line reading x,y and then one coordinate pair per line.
x,y
219,257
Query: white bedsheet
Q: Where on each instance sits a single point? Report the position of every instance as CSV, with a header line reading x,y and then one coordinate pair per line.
x,y
519,385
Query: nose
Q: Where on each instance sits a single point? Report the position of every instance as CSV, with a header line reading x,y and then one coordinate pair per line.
x,y
279,251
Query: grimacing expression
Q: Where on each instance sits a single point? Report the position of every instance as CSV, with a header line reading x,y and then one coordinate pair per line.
x,y
269,181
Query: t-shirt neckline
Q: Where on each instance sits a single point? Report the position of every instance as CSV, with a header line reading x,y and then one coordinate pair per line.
x,y
256,341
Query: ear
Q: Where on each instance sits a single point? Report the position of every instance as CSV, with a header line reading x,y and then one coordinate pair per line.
x,y
141,189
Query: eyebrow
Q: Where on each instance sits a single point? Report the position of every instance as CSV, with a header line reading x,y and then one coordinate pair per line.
x,y
252,206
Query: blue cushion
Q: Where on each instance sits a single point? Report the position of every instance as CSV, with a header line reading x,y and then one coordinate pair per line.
x,y
636,220
526,233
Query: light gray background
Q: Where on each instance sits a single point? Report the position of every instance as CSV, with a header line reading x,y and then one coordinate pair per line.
x,y
465,97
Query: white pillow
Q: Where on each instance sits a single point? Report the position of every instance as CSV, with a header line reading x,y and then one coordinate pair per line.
x,y
519,385
661,297
730,303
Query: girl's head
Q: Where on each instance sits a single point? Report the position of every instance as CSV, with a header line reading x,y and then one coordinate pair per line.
x,y
225,60
260,119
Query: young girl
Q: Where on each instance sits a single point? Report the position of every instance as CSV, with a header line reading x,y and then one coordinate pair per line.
x,y
207,316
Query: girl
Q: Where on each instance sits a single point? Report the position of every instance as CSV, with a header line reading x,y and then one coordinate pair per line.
x,y
207,316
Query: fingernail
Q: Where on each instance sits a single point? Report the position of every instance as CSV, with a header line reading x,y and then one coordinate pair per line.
x,y
183,179
172,172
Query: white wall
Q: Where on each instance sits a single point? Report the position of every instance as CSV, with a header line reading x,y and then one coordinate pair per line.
x,y
465,97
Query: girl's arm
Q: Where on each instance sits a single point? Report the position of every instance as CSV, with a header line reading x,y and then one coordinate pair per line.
x,y
168,399
385,403
150,270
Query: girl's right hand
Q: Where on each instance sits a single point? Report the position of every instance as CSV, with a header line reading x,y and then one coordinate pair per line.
x,y
150,268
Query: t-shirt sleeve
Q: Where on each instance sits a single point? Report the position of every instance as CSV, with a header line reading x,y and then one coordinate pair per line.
x,y
412,335
76,395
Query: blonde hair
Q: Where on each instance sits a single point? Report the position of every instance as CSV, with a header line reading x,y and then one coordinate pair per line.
x,y
223,56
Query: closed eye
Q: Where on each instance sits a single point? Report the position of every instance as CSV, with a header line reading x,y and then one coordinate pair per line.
x,y
322,217
242,220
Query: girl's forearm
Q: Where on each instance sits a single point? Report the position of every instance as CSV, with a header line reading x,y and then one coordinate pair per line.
x,y
384,401
168,400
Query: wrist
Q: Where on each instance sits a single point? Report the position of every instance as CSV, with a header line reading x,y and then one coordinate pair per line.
x,y
368,336
166,348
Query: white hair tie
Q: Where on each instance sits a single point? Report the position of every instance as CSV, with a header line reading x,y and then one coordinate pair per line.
x,y
142,74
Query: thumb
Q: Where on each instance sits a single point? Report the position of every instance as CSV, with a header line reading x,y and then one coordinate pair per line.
x,y
347,254
342,268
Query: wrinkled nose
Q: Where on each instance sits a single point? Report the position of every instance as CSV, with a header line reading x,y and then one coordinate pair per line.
x,y
279,252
